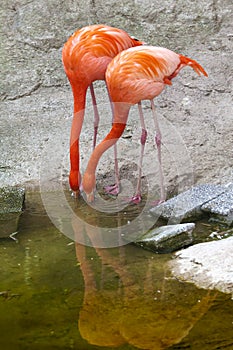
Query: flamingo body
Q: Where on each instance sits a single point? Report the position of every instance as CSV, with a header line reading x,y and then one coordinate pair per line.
x,y
85,57
136,74
141,73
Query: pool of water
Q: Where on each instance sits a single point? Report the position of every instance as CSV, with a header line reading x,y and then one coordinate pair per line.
x,y
59,294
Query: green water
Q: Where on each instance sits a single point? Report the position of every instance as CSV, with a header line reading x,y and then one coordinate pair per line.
x,y
55,294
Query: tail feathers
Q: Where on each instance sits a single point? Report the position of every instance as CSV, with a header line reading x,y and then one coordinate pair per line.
x,y
192,63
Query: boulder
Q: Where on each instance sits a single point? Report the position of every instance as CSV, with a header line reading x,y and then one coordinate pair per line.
x,y
208,265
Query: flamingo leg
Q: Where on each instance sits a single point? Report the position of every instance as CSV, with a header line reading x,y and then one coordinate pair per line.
x,y
137,197
158,138
96,115
113,189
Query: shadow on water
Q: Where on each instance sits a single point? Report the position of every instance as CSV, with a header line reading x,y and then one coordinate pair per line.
x,y
57,294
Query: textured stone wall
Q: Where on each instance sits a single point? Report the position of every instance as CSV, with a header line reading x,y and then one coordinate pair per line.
x,y
36,97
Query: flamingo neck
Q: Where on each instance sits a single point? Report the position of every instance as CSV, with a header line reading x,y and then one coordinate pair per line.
x,y
79,94
117,130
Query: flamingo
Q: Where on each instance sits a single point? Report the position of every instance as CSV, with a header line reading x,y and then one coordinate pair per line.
x,y
85,56
136,74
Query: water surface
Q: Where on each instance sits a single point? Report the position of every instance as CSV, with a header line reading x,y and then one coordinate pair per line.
x,y
57,294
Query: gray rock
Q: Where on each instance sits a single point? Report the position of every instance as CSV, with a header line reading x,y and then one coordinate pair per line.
x,y
166,239
11,205
11,199
208,265
221,208
187,204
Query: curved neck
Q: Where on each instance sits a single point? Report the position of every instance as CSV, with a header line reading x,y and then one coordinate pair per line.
x,y
79,94
112,137
121,112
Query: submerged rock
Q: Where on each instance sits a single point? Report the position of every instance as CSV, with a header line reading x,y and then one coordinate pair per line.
x,y
188,204
166,239
11,205
208,265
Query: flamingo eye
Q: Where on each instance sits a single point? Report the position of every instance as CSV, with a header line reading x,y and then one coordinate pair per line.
x,y
133,37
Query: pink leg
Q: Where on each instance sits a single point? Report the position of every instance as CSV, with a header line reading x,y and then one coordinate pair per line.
x,y
114,189
137,197
96,115
158,138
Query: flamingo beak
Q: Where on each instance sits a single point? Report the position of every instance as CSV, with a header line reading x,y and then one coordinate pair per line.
x,y
90,197
75,194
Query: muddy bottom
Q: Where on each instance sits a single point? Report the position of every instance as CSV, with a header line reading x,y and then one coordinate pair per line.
x,y
57,294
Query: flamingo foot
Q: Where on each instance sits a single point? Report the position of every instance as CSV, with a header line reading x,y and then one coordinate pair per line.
x,y
157,202
136,199
113,190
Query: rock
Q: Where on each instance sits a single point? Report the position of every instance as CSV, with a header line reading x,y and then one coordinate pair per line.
x,y
208,265
188,204
11,205
221,208
166,239
11,199
221,234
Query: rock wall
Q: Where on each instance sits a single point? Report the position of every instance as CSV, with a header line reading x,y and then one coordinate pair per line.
x,y
36,101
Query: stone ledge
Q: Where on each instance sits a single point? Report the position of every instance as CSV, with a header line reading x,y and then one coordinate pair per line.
x,y
167,239
221,208
190,204
11,205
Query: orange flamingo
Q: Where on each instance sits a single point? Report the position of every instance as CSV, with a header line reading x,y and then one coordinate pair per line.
x,y
136,74
85,57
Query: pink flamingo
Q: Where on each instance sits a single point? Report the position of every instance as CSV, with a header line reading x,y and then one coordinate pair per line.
x,y
86,56
136,74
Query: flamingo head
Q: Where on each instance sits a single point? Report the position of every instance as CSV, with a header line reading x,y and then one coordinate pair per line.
x,y
88,185
74,180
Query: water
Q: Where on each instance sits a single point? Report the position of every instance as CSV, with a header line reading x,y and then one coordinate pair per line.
x,y
55,294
